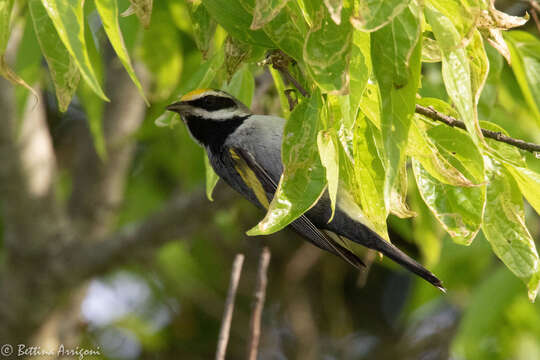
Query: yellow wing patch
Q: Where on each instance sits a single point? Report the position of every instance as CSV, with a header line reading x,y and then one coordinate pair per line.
x,y
250,178
193,94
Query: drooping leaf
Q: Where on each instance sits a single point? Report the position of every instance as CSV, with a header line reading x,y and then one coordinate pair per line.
x,y
525,54
431,52
397,49
527,178
108,12
68,19
398,197
328,151
5,16
211,178
371,15
359,69
369,175
459,209
504,227
64,71
93,105
28,64
326,52
204,26
456,70
303,180
423,149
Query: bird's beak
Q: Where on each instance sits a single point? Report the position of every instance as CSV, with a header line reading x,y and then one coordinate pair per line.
x,y
178,107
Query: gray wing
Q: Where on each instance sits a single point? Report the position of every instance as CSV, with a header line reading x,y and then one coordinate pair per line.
x,y
302,225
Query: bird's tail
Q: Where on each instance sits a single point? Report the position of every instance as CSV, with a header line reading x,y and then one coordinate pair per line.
x,y
406,261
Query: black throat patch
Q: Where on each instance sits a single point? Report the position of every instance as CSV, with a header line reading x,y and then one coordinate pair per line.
x,y
212,133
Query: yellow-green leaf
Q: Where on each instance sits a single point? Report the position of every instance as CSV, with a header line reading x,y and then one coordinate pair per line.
x,y
68,19
108,11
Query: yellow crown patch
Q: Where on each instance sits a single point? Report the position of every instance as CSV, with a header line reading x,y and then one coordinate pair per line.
x,y
193,94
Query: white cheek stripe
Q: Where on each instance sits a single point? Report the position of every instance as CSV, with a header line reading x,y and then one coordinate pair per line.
x,y
222,115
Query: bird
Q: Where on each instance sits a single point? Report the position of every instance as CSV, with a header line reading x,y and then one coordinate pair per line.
x,y
244,150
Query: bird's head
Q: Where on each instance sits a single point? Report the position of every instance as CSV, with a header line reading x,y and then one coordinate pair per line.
x,y
210,115
209,104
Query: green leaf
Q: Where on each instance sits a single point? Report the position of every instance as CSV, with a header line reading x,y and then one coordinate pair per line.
x,y
280,88
529,184
423,149
459,150
369,175
488,98
160,50
326,53
398,197
108,12
242,85
371,15
479,65
359,69
504,227
93,105
64,71
288,30
68,19
265,11
397,50
431,52
456,70
303,180
525,54
329,153
527,179
236,20
204,27
459,209
5,16
28,65
211,178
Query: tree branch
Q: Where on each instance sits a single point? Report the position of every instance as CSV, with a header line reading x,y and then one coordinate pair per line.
x,y
260,294
223,339
278,62
450,121
180,217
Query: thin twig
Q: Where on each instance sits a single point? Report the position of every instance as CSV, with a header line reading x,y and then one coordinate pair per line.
x,y
260,294
450,121
229,307
534,9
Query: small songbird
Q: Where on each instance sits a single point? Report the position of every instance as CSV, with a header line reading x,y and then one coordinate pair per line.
x,y
245,150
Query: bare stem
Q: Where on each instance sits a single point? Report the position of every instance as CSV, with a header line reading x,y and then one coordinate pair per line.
x,y
450,121
260,294
229,307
